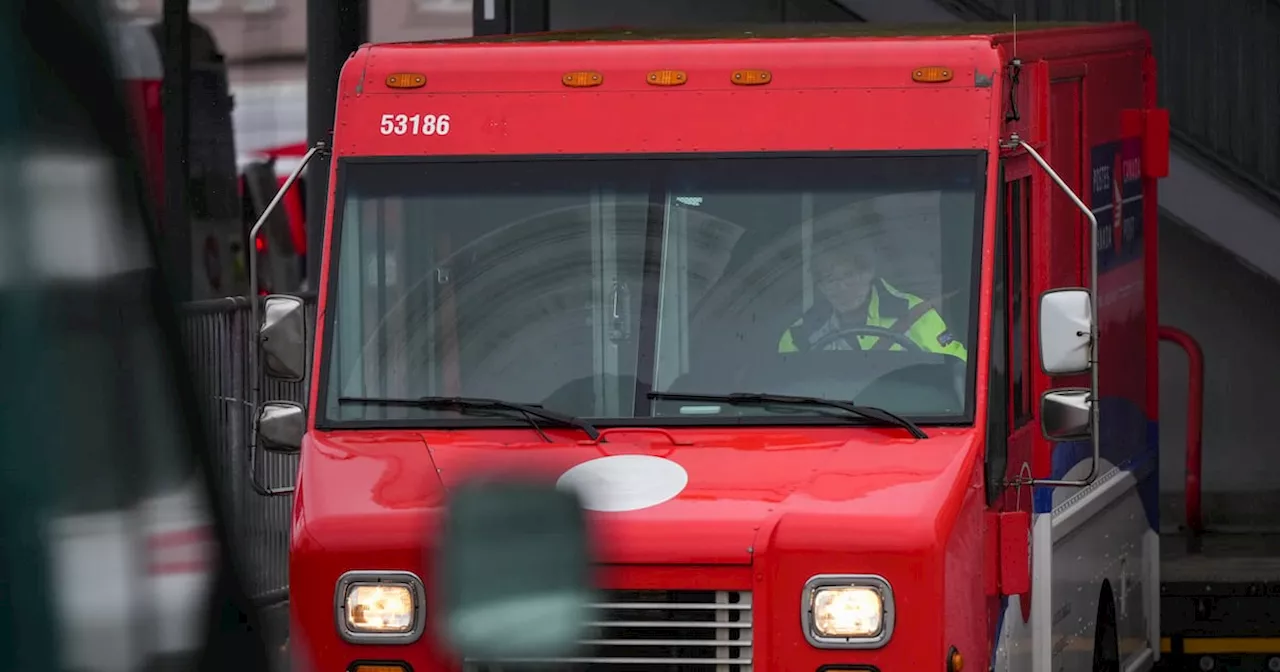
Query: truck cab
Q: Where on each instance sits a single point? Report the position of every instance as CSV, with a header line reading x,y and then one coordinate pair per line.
x,y
810,321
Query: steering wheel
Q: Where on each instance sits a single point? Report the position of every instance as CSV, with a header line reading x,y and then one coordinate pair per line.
x,y
867,330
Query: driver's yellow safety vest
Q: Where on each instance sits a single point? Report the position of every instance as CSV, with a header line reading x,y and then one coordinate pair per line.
x,y
921,324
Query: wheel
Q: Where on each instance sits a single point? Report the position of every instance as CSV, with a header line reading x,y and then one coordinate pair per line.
x,y
1106,639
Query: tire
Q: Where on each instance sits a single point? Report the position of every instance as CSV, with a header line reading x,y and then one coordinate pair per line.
x,y
1106,639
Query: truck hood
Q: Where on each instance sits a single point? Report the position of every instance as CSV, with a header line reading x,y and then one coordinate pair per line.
x,y
712,497
686,496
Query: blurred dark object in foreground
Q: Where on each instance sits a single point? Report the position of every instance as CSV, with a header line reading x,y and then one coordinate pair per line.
x,y
114,553
114,545
515,570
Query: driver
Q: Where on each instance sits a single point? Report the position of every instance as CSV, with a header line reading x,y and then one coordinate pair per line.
x,y
852,295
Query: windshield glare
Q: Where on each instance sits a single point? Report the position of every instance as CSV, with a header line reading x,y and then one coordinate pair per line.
x,y
582,285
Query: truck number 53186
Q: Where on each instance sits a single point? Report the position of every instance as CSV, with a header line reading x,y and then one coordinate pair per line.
x,y
415,124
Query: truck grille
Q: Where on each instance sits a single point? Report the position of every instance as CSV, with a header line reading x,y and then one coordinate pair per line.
x,y
660,631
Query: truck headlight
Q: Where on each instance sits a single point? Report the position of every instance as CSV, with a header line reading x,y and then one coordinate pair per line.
x,y
380,607
847,611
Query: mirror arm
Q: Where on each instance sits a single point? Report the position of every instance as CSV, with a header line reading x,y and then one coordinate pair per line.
x,y
255,375
254,299
1094,401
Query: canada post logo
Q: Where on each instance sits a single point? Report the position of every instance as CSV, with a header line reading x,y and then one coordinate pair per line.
x,y
1116,175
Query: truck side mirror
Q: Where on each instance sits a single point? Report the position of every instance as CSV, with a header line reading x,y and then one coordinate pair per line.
x,y
283,335
1066,414
1066,331
1068,346
280,426
1066,342
514,578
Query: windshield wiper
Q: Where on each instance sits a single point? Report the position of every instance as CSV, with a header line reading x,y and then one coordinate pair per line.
x,y
760,399
463,404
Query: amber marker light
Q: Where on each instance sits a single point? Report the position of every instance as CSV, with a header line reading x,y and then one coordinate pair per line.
x,y
667,77
406,80
751,77
585,78
932,74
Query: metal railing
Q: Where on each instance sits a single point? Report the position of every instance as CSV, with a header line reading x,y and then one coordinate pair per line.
x,y
1212,60
217,334
1195,423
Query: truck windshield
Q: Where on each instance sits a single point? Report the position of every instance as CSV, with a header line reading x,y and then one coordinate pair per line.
x,y
584,285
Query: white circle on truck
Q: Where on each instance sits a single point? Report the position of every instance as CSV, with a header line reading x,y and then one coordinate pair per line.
x,y
625,482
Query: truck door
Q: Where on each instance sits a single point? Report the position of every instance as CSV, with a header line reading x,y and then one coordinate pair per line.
x,y
1069,264
1062,226
1032,210
1057,228
1044,248
1016,213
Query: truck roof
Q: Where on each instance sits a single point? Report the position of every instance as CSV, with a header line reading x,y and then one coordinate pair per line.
x,y
785,31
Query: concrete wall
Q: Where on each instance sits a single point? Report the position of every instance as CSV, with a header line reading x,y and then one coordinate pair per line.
x,y
1234,312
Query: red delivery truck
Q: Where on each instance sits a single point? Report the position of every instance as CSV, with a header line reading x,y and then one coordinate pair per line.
x,y
845,335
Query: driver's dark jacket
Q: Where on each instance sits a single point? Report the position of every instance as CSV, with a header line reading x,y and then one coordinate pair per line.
x,y
883,308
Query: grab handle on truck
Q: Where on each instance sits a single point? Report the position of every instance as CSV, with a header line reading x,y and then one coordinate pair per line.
x,y
1195,421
